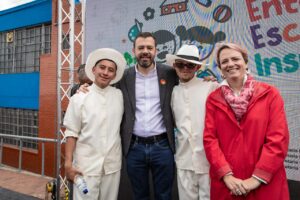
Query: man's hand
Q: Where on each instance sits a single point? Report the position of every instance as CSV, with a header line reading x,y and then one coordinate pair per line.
x,y
83,88
71,172
209,78
234,185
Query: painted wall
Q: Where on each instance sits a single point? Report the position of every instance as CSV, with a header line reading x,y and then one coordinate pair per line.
x,y
20,90
269,29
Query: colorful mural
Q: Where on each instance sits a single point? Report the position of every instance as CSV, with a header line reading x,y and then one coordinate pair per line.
x,y
269,29
200,36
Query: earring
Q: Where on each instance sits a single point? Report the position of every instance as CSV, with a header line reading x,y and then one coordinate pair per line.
x,y
248,70
223,76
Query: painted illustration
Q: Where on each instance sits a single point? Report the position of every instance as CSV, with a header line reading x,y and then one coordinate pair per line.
x,y
205,3
135,30
222,13
166,43
202,37
171,7
149,14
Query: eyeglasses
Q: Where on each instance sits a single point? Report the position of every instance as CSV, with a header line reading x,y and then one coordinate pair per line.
x,y
181,65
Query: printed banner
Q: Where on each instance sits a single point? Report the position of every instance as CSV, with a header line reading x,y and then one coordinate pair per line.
x,y
269,29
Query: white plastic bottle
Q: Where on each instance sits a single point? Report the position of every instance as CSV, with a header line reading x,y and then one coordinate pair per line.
x,y
81,184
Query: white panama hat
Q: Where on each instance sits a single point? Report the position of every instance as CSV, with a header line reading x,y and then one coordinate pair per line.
x,y
105,54
189,53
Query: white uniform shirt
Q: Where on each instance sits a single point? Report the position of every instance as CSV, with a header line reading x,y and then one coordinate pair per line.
x,y
94,119
188,105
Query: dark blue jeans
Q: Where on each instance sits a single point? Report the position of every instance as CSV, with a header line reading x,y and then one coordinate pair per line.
x,y
157,157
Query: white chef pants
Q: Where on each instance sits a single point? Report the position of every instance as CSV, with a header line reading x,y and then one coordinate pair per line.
x,y
192,186
102,187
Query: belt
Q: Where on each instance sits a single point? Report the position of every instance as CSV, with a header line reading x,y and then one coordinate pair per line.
x,y
150,139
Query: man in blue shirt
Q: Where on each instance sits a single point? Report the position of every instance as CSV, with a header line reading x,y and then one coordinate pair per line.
x,y
147,129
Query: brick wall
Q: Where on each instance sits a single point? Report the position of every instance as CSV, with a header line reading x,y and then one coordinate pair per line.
x,y
32,159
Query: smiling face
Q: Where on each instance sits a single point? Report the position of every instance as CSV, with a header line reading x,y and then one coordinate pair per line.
x,y
145,51
232,65
105,72
185,70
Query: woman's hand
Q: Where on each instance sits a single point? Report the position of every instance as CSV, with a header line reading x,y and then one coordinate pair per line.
x,y
251,184
234,185
83,88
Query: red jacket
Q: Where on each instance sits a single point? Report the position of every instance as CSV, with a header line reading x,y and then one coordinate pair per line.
x,y
257,145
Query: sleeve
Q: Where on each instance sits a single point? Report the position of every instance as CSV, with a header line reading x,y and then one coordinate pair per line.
x,y
214,154
172,105
172,99
259,179
275,148
121,100
72,119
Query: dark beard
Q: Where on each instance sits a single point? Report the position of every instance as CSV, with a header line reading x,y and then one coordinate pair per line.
x,y
145,64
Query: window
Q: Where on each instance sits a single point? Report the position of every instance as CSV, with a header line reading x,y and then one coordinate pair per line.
x,y
19,122
20,49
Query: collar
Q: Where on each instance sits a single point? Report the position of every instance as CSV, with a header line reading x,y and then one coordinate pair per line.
x,y
224,82
151,73
98,89
189,83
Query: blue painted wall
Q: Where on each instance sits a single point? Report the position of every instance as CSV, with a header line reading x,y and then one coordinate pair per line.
x,y
36,12
20,90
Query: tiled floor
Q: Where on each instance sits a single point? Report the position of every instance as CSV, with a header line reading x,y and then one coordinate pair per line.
x,y
23,183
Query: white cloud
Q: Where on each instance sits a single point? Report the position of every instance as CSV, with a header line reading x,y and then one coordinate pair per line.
x,y
7,4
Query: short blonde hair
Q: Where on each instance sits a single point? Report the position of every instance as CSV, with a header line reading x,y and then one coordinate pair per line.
x,y
228,45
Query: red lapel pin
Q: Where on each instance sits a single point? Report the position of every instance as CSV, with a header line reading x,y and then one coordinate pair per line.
x,y
163,81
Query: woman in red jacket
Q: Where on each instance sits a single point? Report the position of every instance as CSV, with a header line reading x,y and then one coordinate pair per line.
x,y
246,135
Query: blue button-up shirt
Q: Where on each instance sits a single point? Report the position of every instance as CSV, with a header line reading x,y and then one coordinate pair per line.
x,y
148,115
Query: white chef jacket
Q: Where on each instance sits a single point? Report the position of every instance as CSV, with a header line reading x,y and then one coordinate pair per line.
x,y
94,118
188,105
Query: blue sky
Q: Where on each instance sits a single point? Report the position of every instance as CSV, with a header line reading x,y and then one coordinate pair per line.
x,y
6,4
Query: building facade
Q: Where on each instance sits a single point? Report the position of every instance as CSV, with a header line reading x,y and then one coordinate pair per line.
x,y
28,82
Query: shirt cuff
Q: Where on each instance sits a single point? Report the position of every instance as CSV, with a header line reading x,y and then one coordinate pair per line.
x,y
69,133
260,179
223,171
229,173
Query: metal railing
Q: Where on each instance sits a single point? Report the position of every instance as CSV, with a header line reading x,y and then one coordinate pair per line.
x,y
20,147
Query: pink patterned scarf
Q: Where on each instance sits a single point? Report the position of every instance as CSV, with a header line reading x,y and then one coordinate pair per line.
x,y
239,104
